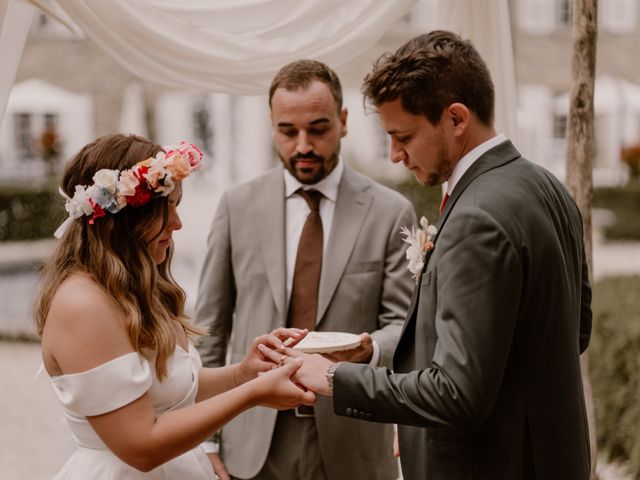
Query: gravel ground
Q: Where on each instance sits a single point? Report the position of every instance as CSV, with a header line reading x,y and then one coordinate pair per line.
x,y
33,444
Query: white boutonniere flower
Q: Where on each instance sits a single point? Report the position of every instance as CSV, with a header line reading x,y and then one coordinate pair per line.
x,y
420,240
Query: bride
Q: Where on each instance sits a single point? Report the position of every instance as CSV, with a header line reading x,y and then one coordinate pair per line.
x,y
115,339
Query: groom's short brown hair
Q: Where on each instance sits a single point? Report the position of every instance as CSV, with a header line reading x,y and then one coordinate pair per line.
x,y
429,73
301,73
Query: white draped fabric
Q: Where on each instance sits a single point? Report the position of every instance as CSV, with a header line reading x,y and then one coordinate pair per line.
x,y
15,18
486,24
236,46
233,46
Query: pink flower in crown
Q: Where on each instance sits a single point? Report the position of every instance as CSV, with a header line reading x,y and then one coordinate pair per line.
x,y
193,154
156,171
178,165
127,183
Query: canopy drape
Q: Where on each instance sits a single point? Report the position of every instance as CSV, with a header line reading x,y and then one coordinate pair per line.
x,y
230,46
236,46
15,18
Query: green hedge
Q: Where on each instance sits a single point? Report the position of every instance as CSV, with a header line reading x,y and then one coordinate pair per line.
x,y
29,213
614,363
624,202
426,200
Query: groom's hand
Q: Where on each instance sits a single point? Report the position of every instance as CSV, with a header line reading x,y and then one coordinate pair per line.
x,y
311,375
360,354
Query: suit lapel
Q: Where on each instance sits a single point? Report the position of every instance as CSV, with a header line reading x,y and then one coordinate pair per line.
x,y
269,218
352,205
499,155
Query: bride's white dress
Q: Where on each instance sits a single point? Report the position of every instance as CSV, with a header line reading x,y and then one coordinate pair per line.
x,y
117,383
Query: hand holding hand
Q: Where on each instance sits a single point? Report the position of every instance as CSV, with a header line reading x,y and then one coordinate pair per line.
x,y
254,361
312,374
360,354
275,388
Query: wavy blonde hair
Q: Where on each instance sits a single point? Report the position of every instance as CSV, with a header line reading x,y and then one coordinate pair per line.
x,y
114,253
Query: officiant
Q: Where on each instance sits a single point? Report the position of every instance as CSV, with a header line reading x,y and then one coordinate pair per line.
x,y
311,244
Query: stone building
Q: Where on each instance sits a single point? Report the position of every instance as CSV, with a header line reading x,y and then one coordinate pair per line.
x,y
541,32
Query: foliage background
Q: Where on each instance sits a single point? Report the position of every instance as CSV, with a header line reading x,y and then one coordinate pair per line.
x,y
29,212
614,357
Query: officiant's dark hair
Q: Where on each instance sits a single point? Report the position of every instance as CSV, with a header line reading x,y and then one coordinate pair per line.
x,y
301,73
429,73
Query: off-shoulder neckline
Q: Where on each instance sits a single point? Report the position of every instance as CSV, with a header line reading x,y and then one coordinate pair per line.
x,y
113,360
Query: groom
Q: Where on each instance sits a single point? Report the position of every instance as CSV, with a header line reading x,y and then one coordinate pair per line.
x,y
486,381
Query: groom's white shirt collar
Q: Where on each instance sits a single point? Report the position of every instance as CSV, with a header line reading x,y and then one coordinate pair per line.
x,y
465,162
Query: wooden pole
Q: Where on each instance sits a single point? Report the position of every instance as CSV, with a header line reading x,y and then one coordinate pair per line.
x,y
580,150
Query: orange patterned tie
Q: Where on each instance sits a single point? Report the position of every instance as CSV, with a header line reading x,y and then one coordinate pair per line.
x,y
303,305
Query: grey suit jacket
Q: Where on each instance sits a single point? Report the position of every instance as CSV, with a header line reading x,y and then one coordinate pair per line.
x,y
488,381
364,286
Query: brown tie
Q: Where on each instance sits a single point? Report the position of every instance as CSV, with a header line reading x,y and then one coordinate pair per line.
x,y
303,305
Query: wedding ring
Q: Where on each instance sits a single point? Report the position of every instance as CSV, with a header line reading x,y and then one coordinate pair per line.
x,y
282,359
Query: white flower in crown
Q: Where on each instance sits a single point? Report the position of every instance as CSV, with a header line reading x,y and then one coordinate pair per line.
x,y
420,240
106,179
168,186
80,204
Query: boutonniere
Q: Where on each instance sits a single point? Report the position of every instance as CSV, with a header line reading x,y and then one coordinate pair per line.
x,y
420,240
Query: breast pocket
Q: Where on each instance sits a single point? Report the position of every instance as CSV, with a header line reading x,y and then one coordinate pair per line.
x,y
363,267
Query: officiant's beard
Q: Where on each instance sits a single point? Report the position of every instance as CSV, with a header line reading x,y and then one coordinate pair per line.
x,y
311,175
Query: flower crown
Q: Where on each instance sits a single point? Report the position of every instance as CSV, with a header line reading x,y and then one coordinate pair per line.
x,y
113,190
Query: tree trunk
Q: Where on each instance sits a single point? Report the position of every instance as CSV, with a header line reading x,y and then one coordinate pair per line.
x,y
580,141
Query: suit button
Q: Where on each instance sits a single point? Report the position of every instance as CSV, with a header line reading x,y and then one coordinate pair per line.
x,y
349,412
356,412
363,415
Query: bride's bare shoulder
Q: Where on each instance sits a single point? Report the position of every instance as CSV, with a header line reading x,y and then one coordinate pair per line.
x,y
80,292
84,327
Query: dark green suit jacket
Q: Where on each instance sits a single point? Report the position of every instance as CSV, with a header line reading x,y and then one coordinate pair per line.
x,y
487,380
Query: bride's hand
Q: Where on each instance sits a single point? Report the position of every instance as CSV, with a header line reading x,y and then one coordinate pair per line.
x,y
255,362
275,388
